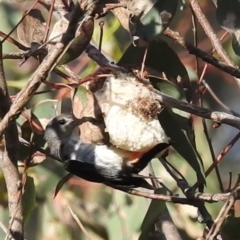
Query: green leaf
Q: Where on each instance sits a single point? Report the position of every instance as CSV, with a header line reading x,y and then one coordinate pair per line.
x,y
81,93
156,20
160,58
155,210
29,198
46,109
177,125
168,88
80,43
177,128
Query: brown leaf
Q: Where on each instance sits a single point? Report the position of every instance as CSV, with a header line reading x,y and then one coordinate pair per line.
x,y
61,7
59,28
122,14
32,28
86,105
135,8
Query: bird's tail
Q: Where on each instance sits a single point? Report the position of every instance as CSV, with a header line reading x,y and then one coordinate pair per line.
x,y
148,156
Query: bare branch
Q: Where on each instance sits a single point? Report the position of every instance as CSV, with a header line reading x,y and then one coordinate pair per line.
x,y
8,161
78,222
223,213
211,35
230,69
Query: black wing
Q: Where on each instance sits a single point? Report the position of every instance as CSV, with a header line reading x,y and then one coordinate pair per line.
x,y
99,174
83,170
148,156
130,182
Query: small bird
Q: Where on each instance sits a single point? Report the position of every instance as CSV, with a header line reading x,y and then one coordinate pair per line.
x,y
97,163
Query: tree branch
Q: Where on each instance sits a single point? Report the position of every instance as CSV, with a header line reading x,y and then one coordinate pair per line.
x,y
233,71
168,101
211,35
8,161
194,201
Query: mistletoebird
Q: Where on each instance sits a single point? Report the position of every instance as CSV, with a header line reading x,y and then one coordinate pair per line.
x,y
97,163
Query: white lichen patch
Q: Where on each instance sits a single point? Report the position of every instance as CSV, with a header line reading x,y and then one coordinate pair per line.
x,y
130,113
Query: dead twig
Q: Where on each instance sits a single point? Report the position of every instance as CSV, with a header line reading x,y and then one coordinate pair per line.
x,y
78,222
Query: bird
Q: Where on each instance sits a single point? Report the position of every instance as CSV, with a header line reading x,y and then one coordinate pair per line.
x,y
105,164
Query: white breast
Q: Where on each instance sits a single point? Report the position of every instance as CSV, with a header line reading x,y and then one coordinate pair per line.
x,y
102,155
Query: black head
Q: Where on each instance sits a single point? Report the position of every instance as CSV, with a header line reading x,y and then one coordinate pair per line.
x,y
61,127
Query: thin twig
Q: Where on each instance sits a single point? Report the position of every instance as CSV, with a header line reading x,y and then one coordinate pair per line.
x,y
194,20
210,32
212,154
211,35
206,197
205,129
215,97
49,21
216,116
78,222
203,214
223,214
166,100
230,182
195,39
221,155
14,42
24,15
3,227
182,183
15,55
233,71
206,64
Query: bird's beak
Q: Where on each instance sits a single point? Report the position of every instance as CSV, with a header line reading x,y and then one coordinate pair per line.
x,y
82,120
77,122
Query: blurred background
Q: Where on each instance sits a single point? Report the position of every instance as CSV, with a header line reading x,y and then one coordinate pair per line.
x,y
104,212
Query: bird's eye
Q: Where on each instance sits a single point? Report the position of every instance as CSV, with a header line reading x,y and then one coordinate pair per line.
x,y
62,121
